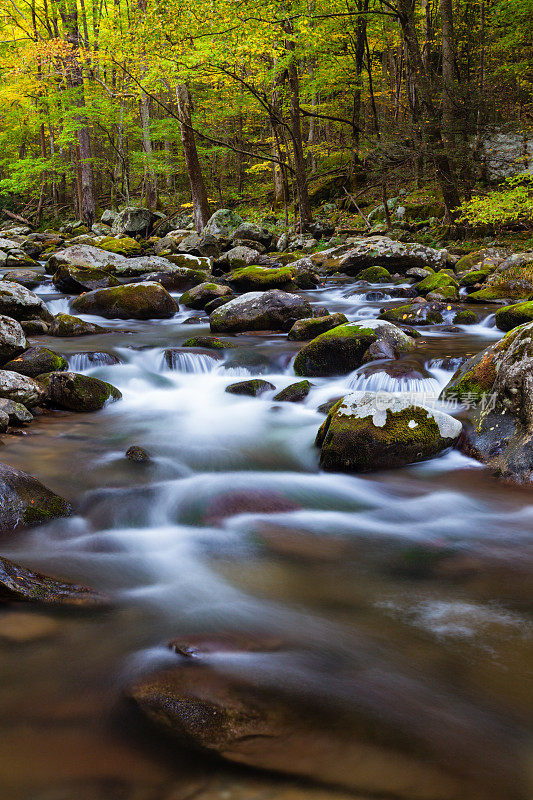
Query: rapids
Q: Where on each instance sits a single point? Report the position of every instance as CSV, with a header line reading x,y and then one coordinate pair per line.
x,y
233,527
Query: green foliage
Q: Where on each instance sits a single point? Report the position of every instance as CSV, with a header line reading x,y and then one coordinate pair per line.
x,y
510,205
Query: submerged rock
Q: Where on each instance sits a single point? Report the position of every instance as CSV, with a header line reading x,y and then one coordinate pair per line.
x,y
260,311
345,347
131,301
497,387
25,501
368,431
283,717
138,455
19,584
35,361
74,392
253,388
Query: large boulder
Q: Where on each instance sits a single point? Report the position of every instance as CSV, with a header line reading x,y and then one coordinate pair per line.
x,y
132,221
146,264
512,280
35,361
223,222
195,244
346,347
20,303
367,431
496,385
84,255
247,231
179,280
73,280
73,392
359,723
131,301
510,317
251,279
66,325
237,257
124,245
20,388
22,585
25,501
381,251
12,339
260,311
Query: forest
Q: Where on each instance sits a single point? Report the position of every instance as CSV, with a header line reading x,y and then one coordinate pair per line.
x,y
278,105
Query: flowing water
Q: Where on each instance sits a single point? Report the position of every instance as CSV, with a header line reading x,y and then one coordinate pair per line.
x,y
233,527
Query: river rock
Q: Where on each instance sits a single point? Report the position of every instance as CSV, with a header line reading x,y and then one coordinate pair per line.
x,y
204,244
417,314
17,414
208,343
253,233
223,223
260,311
19,584
26,277
309,328
12,338
345,347
138,455
37,360
294,393
426,745
179,280
20,303
86,256
124,245
509,317
145,264
199,296
73,280
368,431
132,221
73,392
20,388
381,251
25,501
305,273
66,325
497,387
251,279
235,258
440,282
253,388
511,280
131,301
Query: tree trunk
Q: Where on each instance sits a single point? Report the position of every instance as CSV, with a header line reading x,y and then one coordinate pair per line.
x,y
200,203
150,179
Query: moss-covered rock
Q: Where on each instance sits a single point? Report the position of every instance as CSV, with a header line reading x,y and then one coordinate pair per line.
x,y
131,301
250,279
416,314
27,277
473,277
509,317
223,222
512,280
309,328
125,245
496,387
438,282
382,251
199,296
374,275
16,413
180,279
208,343
260,311
346,347
19,584
294,393
253,388
465,318
73,280
73,392
35,361
66,325
372,430
25,501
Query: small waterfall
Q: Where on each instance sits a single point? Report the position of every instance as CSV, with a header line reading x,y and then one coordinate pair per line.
x,y
78,362
383,382
489,321
189,362
59,306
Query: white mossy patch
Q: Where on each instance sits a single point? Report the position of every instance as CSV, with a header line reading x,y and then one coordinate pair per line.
x,y
376,405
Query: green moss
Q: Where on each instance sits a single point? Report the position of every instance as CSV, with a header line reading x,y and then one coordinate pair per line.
x,y
416,314
126,246
207,342
260,278
510,317
465,318
374,275
436,283
473,277
54,507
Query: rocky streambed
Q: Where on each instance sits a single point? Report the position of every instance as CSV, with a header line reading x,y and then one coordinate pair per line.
x,y
281,515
